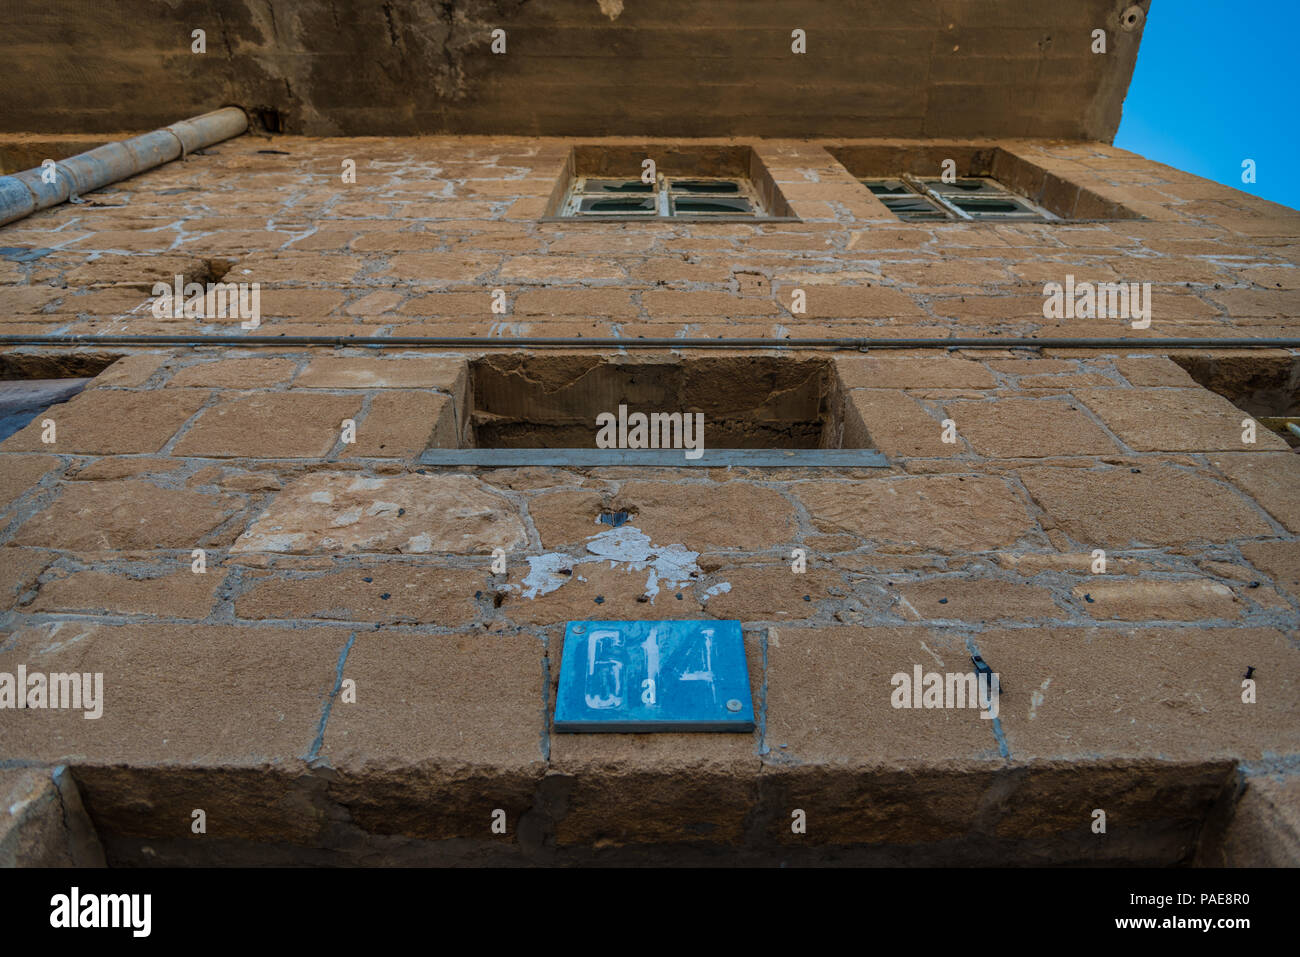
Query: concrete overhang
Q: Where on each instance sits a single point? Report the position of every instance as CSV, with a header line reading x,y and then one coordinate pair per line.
x,y
907,68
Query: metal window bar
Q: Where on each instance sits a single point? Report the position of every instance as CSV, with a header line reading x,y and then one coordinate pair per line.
x,y
920,187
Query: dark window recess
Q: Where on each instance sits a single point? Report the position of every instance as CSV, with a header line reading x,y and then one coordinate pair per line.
x,y
1267,388
546,402
702,183
968,198
757,411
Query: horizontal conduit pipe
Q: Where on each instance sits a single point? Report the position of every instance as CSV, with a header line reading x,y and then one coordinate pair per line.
x,y
470,342
24,193
521,342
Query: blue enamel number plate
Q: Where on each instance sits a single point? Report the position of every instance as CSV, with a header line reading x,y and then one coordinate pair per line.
x,y
654,676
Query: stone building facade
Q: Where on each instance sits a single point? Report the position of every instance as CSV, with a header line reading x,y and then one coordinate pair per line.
x,y
341,653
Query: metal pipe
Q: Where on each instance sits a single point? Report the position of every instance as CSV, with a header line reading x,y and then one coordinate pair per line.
x,y
471,342
24,193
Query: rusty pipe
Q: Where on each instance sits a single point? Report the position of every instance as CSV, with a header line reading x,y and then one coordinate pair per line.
x,y
24,193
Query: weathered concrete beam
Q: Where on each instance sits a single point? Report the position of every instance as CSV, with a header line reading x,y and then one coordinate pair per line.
x,y
578,67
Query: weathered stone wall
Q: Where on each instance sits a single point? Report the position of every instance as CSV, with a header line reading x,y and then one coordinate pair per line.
x,y
329,561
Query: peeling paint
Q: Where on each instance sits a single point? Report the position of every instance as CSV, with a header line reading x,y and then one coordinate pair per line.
x,y
543,574
670,565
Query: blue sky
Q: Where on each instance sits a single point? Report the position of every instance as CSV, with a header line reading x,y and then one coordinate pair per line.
x,y
1216,83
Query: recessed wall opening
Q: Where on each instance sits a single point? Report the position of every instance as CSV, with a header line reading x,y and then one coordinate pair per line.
x,y
1265,387
986,183
547,402
662,181
31,383
753,410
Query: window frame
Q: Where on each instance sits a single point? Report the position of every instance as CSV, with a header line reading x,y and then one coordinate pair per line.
x,y
929,189
666,198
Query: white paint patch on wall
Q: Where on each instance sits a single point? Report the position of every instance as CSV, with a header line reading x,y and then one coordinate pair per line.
x,y
543,574
669,565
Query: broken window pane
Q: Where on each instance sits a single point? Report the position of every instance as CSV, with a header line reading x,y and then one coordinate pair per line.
x,y
1005,208
617,205
710,186
915,209
933,199
904,202
592,186
712,204
888,187
963,187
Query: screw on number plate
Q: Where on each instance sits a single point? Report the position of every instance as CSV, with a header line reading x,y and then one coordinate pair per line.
x,y
734,704
579,629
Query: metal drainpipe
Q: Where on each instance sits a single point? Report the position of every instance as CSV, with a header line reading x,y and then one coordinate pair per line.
x,y
632,345
24,193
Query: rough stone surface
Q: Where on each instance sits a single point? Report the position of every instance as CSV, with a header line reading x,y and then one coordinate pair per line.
x,y
1265,827
912,372
109,421
1175,420
180,594
124,515
330,513
444,731
43,823
565,517
893,422
1281,560
1028,428
701,517
422,372
259,703
445,597
975,600
773,594
1156,505
269,425
18,473
19,568
957,513
404,424
1271,480
1159,600
234,374
1152,694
